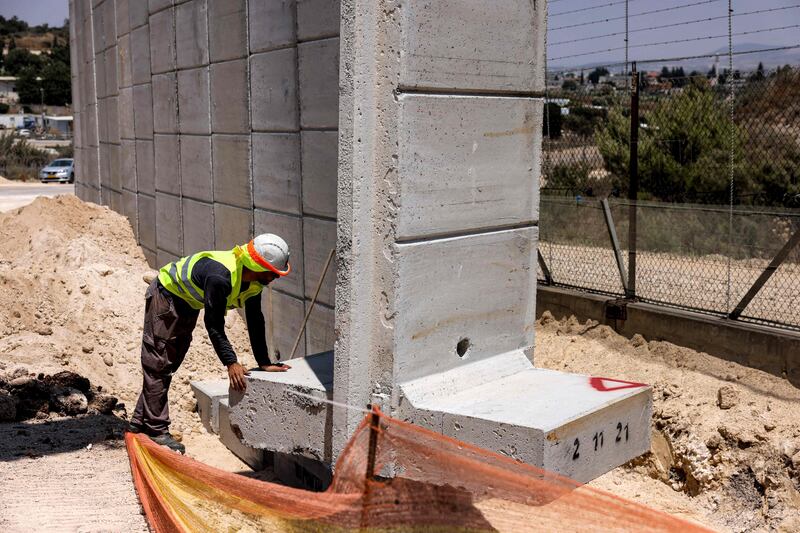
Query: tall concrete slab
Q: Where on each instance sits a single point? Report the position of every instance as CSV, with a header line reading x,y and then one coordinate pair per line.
x,y
162,42
145,168
140,54
168,222
143,111
167,153
165,103
198,226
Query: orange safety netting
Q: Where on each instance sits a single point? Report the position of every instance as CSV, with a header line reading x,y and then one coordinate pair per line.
x,y
391,477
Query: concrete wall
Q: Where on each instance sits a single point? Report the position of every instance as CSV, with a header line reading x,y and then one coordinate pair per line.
x,y
208,121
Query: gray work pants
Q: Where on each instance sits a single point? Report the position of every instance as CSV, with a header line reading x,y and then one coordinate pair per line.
x,y
166,338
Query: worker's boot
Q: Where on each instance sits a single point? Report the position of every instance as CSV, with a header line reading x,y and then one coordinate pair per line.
x,y
166,439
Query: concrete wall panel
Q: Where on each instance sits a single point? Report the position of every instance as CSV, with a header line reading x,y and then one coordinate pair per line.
x,y
480,297
230,112
168,223
162,41
273,90
192,33
319,236
165,257
165,103
193,101
127,164
466,163
290,227
111,81
147,221
125,113
124,61
319,83
445,45
114,176
140,52
231,162
143,111
166,164
317,19
129,209
157,5
227,30
137,13
276,171
232,226
145,169
286,317
122,16
272,24
198,226
196,167
112,118
320,331
319,152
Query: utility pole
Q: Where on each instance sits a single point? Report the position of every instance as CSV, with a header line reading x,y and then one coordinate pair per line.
x,y
633,183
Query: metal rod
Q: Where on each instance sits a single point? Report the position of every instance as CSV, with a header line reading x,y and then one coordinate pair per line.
x,y
374,426
633,185
313,301
612,234
548,279
766,274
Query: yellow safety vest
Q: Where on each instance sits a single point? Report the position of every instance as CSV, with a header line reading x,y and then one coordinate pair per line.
x,y
177,277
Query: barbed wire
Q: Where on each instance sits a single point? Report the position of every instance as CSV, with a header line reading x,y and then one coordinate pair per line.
x,y
591,8
674,24
662,10
662,43
684,58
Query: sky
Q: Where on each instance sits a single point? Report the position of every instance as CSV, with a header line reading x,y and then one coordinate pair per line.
x,y
557,34
35,12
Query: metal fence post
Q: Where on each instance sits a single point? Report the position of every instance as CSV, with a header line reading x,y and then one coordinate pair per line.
x,y
633,184
612,234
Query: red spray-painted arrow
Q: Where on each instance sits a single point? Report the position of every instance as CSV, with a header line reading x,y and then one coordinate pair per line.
x,y
600,384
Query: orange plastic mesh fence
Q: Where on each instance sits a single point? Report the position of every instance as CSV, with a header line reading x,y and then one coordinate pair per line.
x,y
420,481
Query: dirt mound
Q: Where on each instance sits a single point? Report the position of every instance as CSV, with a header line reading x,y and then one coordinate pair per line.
x,y
72,297
725,437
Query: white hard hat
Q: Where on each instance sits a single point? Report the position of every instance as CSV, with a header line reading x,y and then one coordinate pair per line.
x,y
271,253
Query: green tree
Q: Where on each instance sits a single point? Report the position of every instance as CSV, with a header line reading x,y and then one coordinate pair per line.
x,y
19,59
569,85
594,76
28,86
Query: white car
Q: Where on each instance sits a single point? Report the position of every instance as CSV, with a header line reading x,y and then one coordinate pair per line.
x,y
24,133
60,170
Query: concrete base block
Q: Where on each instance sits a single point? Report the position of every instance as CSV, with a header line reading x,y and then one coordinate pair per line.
x,y
252,457
574,425
208,395
270,416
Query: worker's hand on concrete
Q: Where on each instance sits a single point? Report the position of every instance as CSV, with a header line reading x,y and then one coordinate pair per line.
x,y
236,374
276,367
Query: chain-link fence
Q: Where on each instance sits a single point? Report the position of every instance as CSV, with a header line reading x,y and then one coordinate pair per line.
x,y
717,179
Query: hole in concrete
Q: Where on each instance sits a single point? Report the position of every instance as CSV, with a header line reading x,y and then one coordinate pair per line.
x,y
462,347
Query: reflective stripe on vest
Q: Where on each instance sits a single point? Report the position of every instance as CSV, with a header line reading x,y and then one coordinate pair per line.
x,y
183,286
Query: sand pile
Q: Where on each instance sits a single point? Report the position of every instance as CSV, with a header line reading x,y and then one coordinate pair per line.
x,y
726,438
72,298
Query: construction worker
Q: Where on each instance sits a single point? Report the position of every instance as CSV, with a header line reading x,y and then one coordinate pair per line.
x,y
215,281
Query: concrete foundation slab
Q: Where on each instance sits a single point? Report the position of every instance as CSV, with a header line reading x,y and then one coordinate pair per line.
x,y
575,425
228,434
208,395
304,424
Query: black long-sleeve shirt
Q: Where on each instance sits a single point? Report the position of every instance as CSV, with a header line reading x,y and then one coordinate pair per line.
x,y
215,280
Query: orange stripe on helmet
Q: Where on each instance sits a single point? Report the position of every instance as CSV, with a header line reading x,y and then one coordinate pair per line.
x,y
251,249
